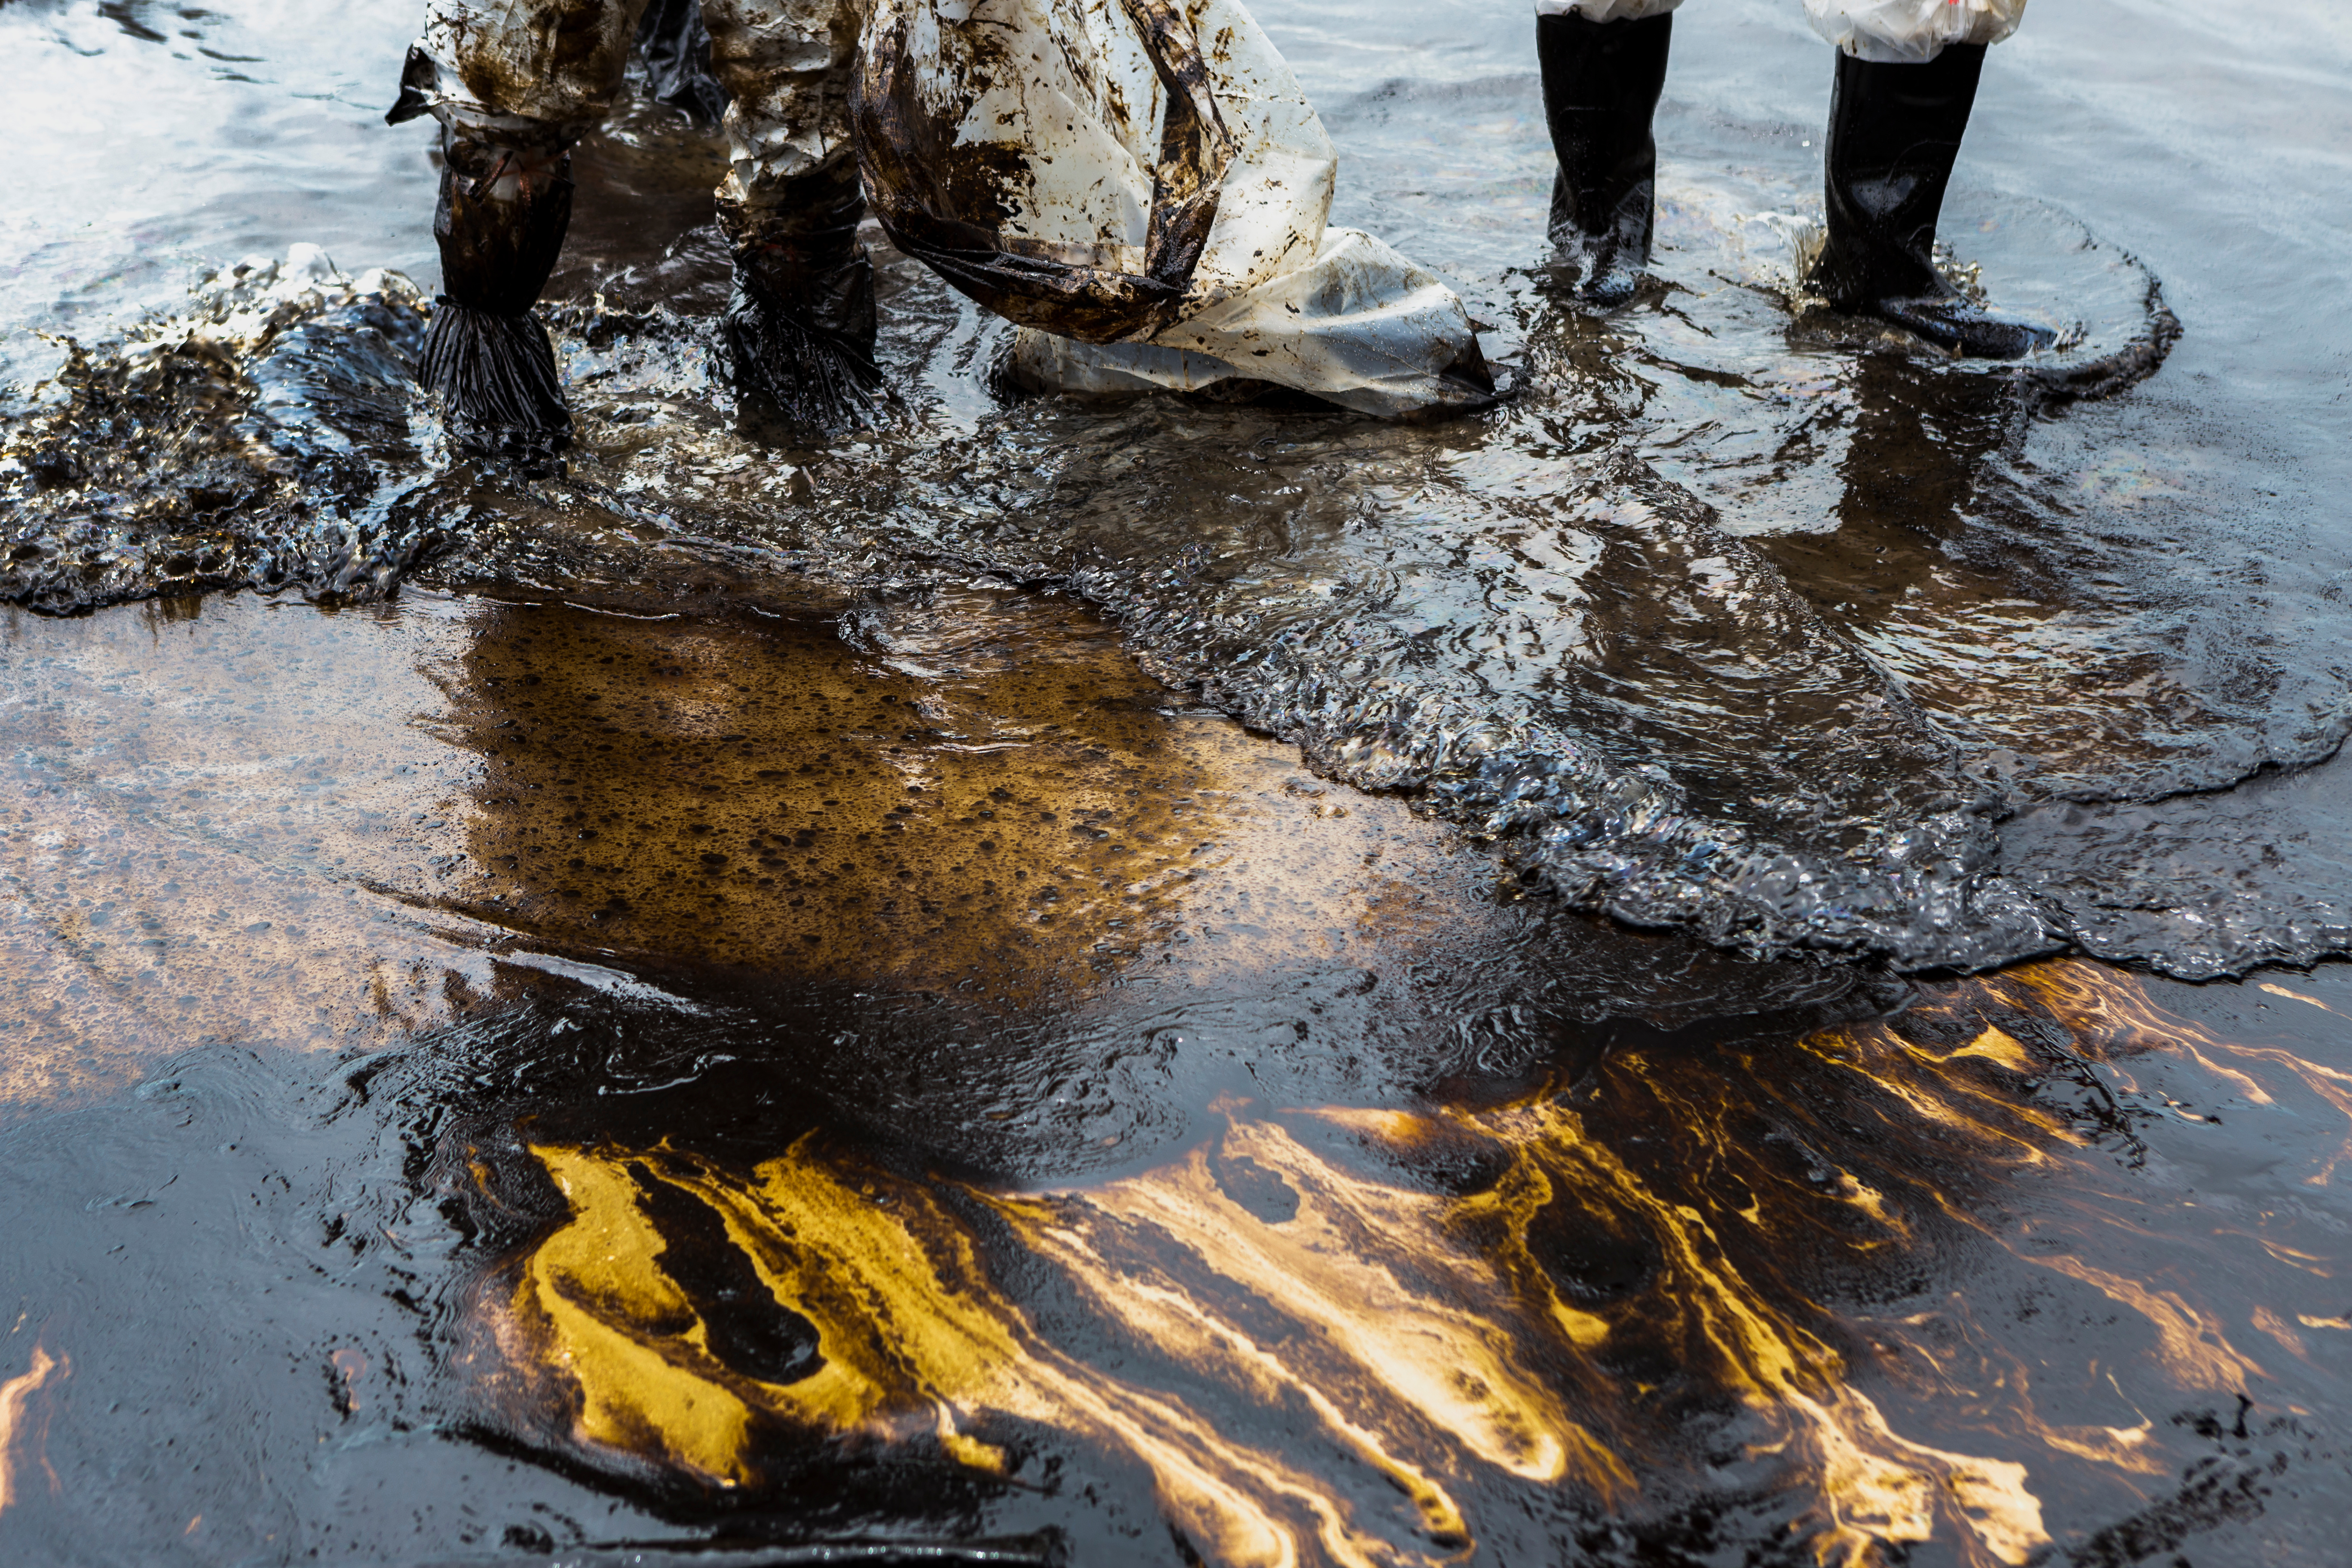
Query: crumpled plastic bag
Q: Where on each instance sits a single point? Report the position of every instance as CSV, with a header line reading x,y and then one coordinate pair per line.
x,y
1144,183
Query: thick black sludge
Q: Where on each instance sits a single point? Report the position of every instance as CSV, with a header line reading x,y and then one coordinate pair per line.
x,y
264,439
547,1275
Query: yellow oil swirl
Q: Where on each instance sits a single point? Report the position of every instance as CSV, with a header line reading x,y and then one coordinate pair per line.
x,y
16,1400
1416,1341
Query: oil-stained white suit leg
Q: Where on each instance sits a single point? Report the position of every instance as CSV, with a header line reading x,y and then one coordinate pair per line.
x,y
518,73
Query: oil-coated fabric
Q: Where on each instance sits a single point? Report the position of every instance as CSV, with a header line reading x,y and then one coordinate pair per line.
x,y
1346,316
1889,32
1359,326
790,65
1148,186
521,72
542,73
1034,153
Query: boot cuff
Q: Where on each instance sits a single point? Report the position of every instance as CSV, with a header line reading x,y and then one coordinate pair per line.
x,y
810,232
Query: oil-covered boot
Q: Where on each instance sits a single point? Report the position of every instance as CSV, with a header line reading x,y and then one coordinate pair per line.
x,y
1894,132
501,222
1601,86
801,322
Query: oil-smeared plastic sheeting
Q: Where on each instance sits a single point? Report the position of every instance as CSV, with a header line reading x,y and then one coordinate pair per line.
x,y
1146,181
1359,326
518,72
542,74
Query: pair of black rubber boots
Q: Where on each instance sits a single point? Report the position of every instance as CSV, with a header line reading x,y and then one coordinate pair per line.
x,y
1895,132
800,323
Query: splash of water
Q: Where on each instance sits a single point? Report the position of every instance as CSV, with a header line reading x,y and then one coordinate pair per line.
x,y
1644,708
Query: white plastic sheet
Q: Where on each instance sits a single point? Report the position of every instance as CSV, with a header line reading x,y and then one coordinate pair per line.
x,y
1359,326
1145,180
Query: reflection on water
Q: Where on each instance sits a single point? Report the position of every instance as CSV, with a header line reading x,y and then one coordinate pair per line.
x,y
199,794
1383,1335
1283,1192
16,1397
990,799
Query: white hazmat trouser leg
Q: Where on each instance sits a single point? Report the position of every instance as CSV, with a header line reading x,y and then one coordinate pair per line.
x,y
535,73
1605,10
790,65
544,72
1911,32
1890,32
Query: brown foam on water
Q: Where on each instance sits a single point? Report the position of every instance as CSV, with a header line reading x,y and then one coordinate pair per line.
x,y
258,821
991,797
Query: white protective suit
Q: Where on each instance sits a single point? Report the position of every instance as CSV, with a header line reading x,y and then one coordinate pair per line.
x,y
1347,316
1887,32
542,73
1067,143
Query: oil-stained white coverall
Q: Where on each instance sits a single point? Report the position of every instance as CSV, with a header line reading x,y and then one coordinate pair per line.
x,y
1887,32
534,76
540,73
525,72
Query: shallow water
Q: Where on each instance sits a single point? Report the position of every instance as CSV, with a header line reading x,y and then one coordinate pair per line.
x,y
487,1074
761,995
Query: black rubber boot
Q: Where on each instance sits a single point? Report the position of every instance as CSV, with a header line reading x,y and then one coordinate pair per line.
x,y
677,49
1601,84
1894,132
500,223
800,322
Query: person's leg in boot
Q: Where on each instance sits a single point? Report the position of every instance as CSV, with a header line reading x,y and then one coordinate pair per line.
x,y
1604,64
676,47
1897,111
513,83
800,322
500,224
